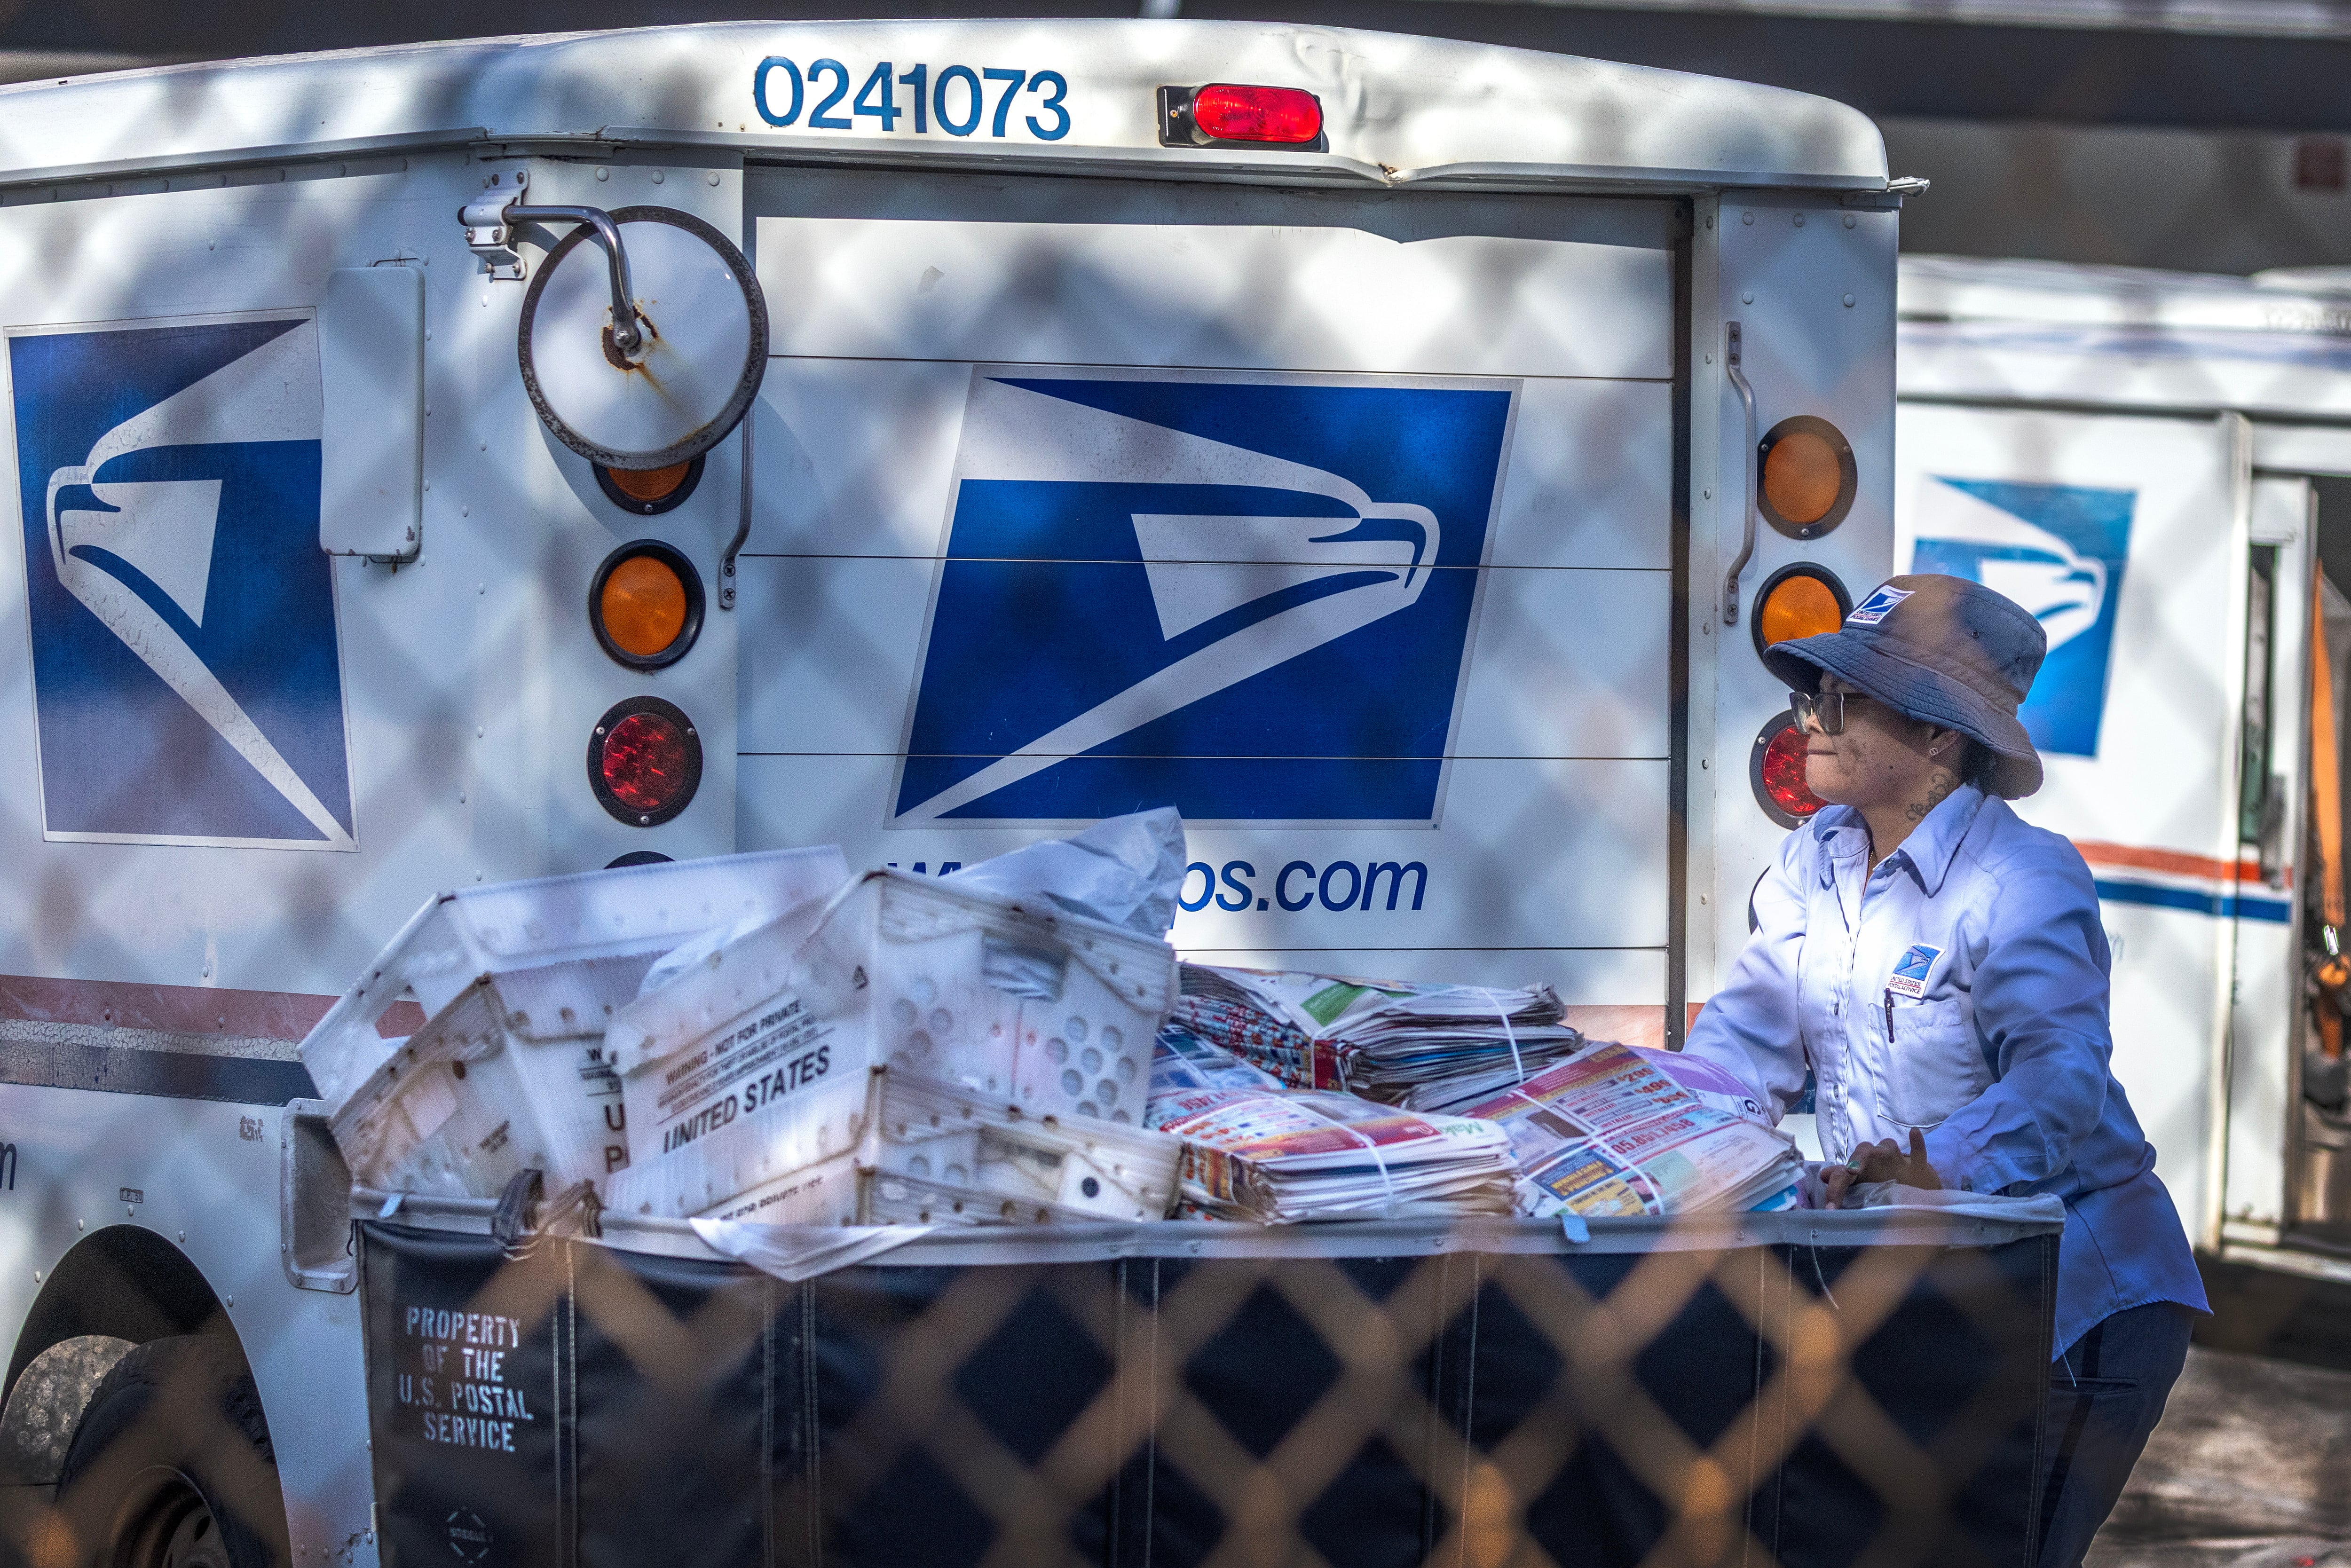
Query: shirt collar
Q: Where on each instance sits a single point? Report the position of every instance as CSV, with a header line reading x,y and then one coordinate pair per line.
x,y
1928,852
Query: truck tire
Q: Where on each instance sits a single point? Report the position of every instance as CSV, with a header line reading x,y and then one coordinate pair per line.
x,y
171,1464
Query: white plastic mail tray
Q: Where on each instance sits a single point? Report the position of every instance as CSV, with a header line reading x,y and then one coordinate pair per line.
x,y
510,1076
887,1146
458,937
1025,1006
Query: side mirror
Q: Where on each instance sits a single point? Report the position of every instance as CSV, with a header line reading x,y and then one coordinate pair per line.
x,y
644,335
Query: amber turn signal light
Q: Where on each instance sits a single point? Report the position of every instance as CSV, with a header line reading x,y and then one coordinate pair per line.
x,y
1801,601
649,492
646,604
1805,476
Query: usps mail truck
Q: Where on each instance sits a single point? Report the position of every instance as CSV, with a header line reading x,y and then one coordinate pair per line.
x,y
2155,464
447,465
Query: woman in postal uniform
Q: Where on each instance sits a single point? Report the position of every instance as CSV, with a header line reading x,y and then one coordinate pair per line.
x,y
1940,968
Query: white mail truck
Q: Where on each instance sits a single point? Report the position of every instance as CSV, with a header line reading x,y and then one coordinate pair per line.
x,y
2159,466
446,464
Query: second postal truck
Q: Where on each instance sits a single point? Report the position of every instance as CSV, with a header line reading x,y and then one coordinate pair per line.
x,y
2156,464
445,465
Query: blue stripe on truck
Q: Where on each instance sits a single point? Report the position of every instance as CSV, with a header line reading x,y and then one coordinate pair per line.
x,y
2226,906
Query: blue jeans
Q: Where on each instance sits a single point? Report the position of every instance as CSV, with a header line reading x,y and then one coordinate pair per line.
x,y
2106,1394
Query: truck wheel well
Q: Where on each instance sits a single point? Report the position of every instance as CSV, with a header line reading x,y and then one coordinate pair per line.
x,y
124,1281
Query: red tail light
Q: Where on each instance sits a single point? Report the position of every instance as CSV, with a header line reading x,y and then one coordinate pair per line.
x,y
1232,111
644,761
1777,772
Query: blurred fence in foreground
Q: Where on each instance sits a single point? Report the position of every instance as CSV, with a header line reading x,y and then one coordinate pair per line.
x,y
1748,1390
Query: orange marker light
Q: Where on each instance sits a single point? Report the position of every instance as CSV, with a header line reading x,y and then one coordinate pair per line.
x,y
643,606
649,492
649,484
1802,477
1807,479
1800,605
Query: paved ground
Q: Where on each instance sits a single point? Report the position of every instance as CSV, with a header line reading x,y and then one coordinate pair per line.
x,y
2251,1466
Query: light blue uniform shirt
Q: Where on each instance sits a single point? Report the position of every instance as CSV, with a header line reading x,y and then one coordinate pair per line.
x,y
1959,988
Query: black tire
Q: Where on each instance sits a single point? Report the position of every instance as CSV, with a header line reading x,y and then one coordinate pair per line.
x,y
171,1464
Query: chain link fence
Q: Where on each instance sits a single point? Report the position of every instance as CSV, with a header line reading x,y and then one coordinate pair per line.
x,y
1785,1389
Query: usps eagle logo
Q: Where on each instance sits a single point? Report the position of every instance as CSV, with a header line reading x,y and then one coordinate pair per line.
x,y
1247,596
186,677
2059,550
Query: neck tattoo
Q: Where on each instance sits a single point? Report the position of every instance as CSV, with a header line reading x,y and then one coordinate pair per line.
x,y
1939,786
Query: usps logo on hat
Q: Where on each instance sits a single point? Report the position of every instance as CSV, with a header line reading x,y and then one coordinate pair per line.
x,y
1877,606
1910,972
186,681
1243,595
2059,550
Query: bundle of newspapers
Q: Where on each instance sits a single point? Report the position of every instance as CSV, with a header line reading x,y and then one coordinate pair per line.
x,y
1254,1150
1621,1129
1182,1060
1422,1046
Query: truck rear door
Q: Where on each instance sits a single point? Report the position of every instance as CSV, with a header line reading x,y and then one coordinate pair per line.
x,y
1341,521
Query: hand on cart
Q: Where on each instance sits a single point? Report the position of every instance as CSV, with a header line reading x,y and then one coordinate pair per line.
x,y
1882,1161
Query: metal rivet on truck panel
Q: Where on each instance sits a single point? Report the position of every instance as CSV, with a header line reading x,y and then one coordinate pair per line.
x,y
713,176
604,173
1848,301
1850,220
1747,217
659,176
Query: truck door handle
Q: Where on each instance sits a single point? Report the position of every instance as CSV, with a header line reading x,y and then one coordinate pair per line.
x,y
1731,357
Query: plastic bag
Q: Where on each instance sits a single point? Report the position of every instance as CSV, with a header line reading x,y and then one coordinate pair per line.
x,y
1127,871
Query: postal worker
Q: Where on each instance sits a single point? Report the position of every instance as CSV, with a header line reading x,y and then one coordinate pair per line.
x,y
1940,968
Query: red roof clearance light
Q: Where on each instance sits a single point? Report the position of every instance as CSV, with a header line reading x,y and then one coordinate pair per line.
x,y
1777,772
1232,111
644,761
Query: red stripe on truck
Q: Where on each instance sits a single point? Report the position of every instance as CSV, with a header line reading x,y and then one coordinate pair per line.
x,y
2173,862
183,1009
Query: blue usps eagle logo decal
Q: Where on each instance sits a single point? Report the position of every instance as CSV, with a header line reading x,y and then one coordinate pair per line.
x,y
1247,596
1877,606
186,679
1910,971
2057,549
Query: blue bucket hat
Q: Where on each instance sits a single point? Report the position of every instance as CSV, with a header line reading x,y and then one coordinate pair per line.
x,y
1941,650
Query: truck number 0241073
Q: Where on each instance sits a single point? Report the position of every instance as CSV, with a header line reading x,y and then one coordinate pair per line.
x,y
958,100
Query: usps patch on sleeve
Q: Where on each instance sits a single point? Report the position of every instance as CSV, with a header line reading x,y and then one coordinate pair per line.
x,y
1877,606
1909,977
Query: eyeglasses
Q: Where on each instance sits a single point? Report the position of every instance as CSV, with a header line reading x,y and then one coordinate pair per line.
x,y
1824,709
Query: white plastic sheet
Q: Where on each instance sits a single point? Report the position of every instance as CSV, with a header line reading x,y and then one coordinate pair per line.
x,y
1127,871
796,1252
